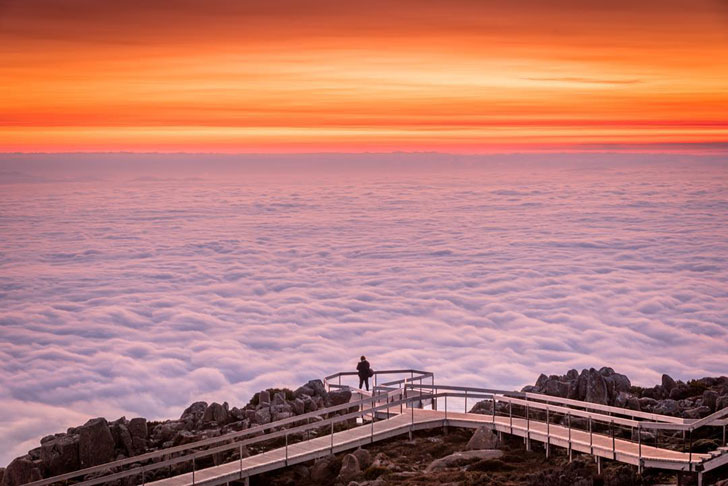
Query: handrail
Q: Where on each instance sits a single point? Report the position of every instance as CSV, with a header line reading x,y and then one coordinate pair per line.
x,y
369,405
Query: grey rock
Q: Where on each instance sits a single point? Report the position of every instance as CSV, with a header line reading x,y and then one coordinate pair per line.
x,y
572,375
679,392
350,468
721,402
216,413
20,471
596,388
264,398
324,470
647,402
262,416
318,387
666,407
339,397
122,438
139,434
668,383
279,398
95,443
303,390
460,457
710,398
194,412
59,454
166,430
364,457
483,438
696,413
299,406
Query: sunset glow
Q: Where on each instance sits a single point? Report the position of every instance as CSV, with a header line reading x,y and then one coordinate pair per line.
x,y
463,76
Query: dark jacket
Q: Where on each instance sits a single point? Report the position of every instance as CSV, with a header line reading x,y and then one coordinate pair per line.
x,y
363,369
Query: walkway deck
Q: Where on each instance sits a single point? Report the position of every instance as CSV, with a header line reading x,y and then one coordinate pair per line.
x,y
417,419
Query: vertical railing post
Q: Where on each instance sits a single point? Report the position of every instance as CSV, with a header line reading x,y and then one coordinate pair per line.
x,y
724,426
332,436
528,426
548,432
690,450
639,448
241,461
568,418
446,406
614,443
143,479
510,415
494,411
193,470
591,438
286,450
466,402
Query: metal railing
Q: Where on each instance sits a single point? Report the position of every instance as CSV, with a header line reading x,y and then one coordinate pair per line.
x,y
391,398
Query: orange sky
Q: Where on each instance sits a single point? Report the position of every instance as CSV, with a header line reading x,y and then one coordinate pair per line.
x,y
281,76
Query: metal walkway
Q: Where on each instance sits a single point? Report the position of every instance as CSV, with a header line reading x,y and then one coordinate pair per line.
x,y
401,407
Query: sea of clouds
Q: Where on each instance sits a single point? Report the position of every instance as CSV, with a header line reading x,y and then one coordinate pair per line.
x,y
138,294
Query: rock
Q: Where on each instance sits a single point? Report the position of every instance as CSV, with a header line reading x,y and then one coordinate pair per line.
x,y
572,375
556,388
483,438
122,438
647,436
194,412
458,458
184,437
60,454
264,398
280,415
633,404
696,413
279,398
216,413
721,403
95,443
138,430
381,460
621,382
680,391
621,399
339,397
541,382
20,471
2,473
646,402
262,416
309,404
299,406
484,407
303,390
710,398
318,387
595,387
668,383
666,407
324,470
166,430
364,457
350,468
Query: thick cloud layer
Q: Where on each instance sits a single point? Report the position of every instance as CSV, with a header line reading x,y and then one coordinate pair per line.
x,y
137,297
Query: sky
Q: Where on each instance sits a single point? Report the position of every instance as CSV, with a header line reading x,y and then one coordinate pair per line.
x,y
462,76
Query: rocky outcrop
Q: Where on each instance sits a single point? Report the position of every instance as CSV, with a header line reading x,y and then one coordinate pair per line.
x,y
59,454
350,469
694,399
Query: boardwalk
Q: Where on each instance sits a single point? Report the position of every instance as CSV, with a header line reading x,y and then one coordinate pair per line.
x,y
417,419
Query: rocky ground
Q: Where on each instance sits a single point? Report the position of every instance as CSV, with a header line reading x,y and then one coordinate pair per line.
x,y
395,462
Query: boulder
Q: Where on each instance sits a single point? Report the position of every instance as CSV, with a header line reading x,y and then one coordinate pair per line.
x,y
572,375
324,470
20,471
279,398
262,416
216,413
339,397
122,438
350,469
710,398
364,457
2,473
483,438
633,403
194,412
458,458
595,387
264,398
647,402
95,443
184,437
680,391
318,387
696,413
299,406
138,430
668,383
60,454
666,407
166,430
541,382
303,390
721,403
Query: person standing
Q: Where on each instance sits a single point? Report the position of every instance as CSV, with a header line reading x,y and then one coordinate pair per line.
x,y
364,371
